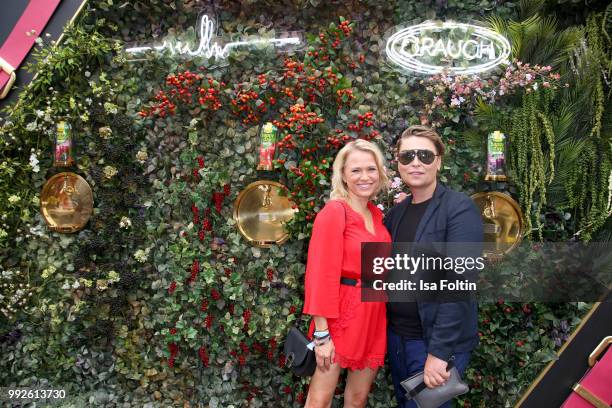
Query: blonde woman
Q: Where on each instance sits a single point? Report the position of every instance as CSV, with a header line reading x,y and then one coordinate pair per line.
x,y
348,333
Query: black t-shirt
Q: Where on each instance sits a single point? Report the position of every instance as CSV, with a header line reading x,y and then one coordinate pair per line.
x,y
403,317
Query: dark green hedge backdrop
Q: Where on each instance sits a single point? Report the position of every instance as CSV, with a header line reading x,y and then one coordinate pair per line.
x,y
159,301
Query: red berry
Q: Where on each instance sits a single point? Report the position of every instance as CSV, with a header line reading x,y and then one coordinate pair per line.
x,y
172,287
281,361
246,316
215,294
203,355
206,224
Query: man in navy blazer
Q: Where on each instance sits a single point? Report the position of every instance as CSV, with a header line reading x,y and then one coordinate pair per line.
x,y
425,335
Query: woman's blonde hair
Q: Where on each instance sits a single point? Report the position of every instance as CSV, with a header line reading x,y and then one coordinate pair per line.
x,y
339,189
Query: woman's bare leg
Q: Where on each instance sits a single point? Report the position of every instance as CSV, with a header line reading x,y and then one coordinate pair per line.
x,y
358,384
322,387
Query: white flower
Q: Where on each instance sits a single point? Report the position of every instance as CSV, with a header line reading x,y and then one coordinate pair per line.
x,y
34,163
14,199
37,231
110,108
40,113
113,276
50,270
105,132
30,127
535,86
109,171
142,255
87,74
87,282
76,284
142,156
125,222
528,77
455,102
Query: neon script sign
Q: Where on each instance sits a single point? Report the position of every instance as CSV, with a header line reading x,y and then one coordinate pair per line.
x,y
458,48
207,48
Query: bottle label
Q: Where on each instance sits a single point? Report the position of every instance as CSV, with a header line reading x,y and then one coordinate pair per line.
x,y
267,146
63,145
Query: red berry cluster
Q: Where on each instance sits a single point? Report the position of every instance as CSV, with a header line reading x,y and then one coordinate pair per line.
x,y
248,105
258,347
206,224
195,268
196,214
214,293
209,96
364,120
217,199
181,90
203,356
344,96
246,317
208,321
282,360
346,28
172,287
173,349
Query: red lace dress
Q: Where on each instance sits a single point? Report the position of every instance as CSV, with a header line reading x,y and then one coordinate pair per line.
x,y
358,329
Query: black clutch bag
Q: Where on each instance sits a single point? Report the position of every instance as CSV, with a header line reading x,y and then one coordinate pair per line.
x,y
434,397
299,353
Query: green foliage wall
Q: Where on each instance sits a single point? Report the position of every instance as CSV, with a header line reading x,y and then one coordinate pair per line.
x,y
120,312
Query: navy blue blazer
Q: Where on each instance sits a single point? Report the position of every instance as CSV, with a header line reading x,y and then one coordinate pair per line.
x,y
451,216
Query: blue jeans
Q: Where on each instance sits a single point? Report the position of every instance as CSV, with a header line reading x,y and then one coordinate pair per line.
x,y
407,357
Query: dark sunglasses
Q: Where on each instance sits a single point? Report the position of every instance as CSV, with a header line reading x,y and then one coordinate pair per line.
x,y
425,156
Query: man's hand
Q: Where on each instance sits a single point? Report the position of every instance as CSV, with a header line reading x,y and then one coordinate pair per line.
x,y
435,373
325,355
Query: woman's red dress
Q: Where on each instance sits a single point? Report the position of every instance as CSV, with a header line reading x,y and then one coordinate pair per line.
x,y
358,329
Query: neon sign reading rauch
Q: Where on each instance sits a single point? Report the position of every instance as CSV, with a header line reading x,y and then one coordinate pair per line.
x,y
431,47
207,48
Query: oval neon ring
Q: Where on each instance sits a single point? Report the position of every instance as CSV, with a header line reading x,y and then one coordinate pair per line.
x,y
395,51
